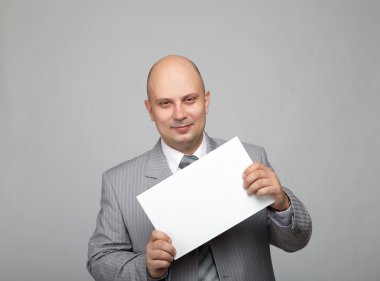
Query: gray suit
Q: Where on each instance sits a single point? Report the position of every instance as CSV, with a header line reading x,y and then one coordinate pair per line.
x,y
117,247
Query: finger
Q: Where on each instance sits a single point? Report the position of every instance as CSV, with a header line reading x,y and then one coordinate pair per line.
x,y
159,235
164,246
257,185
254,167
161,245
268,190
254,176
251,168
159,264
160,255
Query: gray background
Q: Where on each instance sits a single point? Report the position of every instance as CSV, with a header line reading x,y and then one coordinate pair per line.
x,y
300,78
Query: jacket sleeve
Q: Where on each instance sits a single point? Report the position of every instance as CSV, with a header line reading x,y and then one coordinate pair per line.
x,y
297,235
110,250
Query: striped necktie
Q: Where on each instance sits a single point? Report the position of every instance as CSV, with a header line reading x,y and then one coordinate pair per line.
x,y
206,264
187,160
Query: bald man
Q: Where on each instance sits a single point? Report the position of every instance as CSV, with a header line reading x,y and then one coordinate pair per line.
x,y
125,246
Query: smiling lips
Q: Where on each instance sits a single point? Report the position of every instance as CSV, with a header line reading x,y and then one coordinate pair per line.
x,y
182,129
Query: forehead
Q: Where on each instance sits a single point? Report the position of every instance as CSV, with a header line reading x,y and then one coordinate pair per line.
x,y
174,78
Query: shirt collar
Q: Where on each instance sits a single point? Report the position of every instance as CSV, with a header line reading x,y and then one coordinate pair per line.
x,y
174,157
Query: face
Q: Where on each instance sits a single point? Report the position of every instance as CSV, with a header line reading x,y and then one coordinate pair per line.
x,y
178,105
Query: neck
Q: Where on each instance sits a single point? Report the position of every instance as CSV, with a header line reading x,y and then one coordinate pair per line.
x,y
188,148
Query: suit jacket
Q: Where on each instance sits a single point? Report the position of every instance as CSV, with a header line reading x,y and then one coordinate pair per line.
x,y
117,247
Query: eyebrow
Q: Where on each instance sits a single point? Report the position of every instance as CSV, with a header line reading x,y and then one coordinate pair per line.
x,y
191,95
157,101
181,98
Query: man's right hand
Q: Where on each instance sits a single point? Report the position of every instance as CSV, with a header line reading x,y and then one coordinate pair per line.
x,y
159,254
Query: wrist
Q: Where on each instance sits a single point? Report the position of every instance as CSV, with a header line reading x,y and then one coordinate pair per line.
x,y
281,207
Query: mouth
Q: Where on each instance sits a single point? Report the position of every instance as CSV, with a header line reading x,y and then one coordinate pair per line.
x,y
182,128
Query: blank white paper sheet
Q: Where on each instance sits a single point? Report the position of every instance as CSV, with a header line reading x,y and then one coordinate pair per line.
x,y
203,200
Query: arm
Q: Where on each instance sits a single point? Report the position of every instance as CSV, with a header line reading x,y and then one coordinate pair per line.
x,y
260,179
110,251
110,255
297,235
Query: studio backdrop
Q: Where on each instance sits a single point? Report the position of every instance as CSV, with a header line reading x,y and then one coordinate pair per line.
x,y
300,78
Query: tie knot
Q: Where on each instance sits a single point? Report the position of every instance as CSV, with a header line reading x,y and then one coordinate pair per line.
x,y
187,160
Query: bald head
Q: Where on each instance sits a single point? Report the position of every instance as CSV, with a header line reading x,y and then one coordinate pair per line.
x,y
177,102
170,66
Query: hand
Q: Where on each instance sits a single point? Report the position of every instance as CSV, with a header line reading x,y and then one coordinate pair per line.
x,y
261,180
159,254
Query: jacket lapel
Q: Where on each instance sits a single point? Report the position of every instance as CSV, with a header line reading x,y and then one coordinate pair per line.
x,y
157,167
211,144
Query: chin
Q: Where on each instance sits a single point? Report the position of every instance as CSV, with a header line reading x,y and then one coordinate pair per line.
x,y
184,139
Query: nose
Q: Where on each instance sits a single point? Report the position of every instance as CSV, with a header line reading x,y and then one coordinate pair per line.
x,y
179,112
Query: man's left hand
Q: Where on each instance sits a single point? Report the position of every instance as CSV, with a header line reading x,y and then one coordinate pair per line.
x,y
261,180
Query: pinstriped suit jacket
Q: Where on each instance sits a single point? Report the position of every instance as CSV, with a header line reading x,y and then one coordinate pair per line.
x,y
117,247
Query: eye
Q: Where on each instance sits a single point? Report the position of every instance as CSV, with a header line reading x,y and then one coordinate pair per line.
x,y
190,100
164,103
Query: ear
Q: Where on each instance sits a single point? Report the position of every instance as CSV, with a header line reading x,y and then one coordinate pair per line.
x,y
149,109
207,100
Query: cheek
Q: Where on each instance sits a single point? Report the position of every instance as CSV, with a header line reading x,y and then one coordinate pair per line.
x,y
162,117
198,114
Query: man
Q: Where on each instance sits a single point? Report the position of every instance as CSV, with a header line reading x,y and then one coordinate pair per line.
x,y
125,246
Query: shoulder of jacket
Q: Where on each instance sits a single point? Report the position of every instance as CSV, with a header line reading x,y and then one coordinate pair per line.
x,y
246,145
130,164
251,146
